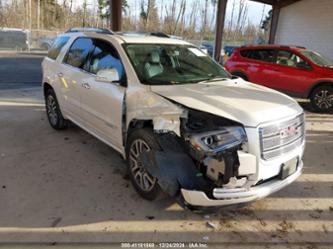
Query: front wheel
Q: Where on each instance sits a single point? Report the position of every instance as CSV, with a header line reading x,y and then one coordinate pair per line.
x,y
139,141
322,99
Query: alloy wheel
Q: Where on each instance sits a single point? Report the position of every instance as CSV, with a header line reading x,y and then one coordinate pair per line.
x,y
52,112
324,99
143,179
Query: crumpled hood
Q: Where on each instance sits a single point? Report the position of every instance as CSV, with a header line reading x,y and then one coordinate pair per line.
x,y
238,100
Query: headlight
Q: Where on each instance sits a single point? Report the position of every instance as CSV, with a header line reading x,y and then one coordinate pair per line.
x,y
219,140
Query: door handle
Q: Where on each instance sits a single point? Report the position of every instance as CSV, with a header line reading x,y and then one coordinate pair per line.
x,y
85,85
60,74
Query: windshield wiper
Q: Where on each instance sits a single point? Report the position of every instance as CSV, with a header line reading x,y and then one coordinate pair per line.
x,y
213,79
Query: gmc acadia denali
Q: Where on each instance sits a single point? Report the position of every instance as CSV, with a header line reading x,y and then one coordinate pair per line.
x,y
184,125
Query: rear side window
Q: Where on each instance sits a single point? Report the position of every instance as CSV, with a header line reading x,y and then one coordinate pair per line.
x,y
244,53
288,58
78,52
57,45
267,55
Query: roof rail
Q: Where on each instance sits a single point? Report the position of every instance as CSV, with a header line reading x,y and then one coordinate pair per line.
x,y
159,34
142,33
90,29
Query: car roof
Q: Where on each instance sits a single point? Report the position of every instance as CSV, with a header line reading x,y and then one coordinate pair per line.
x,y
90,29
151,39
146,39
274,46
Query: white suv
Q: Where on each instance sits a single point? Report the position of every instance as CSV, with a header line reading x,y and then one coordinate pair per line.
x,y
183,124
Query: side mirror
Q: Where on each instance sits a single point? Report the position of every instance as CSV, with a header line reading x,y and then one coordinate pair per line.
x,y
107,75
303,65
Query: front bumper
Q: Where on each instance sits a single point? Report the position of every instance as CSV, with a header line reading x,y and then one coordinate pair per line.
x,y
238,195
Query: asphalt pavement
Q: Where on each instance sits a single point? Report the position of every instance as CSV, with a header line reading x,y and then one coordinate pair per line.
x,y
20,70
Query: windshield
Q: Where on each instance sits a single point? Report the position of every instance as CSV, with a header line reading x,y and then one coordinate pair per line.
x,y
166,64
317,58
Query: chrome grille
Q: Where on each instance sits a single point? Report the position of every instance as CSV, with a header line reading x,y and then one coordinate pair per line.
x,y
278,139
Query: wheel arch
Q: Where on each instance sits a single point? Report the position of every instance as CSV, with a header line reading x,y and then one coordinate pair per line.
x,y
46,87
135,124
239,73
318,84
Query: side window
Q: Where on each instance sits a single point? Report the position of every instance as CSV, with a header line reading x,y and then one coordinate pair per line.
x,y
267,55
105,56
288,58
245,53
57,45
79,52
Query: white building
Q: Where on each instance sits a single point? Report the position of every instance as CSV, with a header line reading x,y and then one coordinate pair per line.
x,y
307,23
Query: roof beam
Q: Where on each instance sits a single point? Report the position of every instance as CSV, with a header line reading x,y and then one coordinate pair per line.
x,y
284,3
116,13
270,2
221,10
280,3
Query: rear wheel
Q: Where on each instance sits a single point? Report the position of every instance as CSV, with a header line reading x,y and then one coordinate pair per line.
x,y
53,112
322,99
140,141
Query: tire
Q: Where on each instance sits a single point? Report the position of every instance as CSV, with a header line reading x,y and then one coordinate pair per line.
x,y
322,99
53,111
241,75
145,184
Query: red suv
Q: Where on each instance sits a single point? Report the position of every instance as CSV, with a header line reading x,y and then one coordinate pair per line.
x,y
293,70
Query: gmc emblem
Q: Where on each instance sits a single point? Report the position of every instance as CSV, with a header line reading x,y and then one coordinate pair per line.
x,y
288,132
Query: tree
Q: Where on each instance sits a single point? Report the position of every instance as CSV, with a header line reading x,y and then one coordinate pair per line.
x,y
266,24
149,19
1,13
104,10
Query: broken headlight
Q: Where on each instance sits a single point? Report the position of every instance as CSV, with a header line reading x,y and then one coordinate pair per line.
x,y
219,140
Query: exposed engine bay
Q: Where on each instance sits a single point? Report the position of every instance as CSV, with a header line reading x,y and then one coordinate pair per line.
x,y
204,157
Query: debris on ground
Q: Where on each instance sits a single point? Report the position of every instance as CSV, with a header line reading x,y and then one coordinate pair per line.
x,y
211,225
56,222
314,216
262,222
285,226
225,223
150,217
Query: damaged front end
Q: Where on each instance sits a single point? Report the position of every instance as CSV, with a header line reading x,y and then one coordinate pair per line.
x,y
208,153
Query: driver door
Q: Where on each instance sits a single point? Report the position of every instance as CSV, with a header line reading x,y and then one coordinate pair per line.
x,y
102,102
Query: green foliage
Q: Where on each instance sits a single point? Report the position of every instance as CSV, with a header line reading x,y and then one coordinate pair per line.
x,y
267,22
105,5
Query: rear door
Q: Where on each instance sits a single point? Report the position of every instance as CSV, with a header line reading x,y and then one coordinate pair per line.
x,y
72,74
102,102
260,65
53,70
